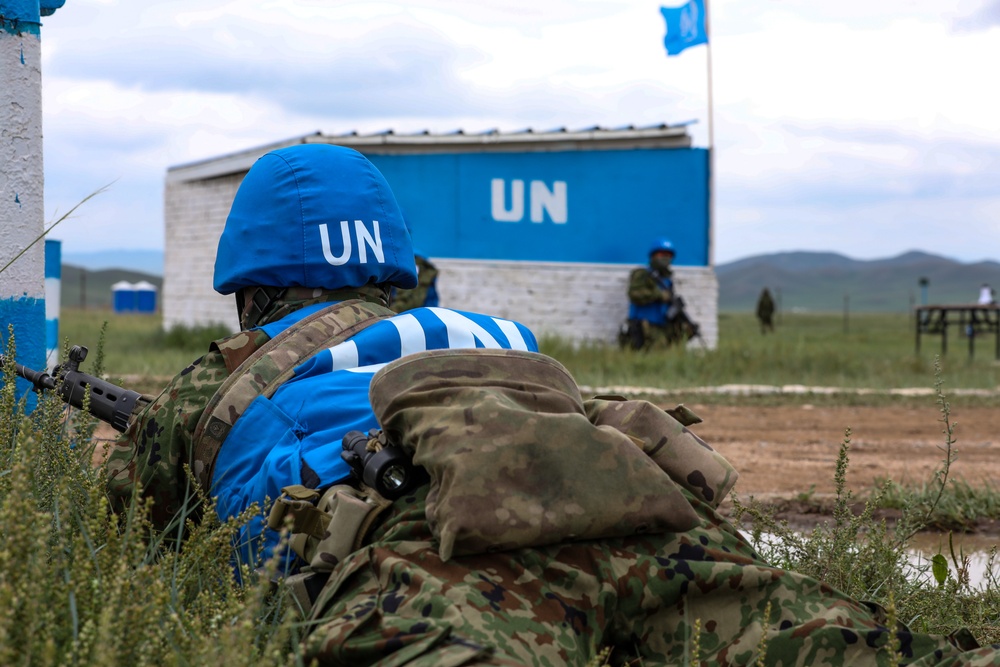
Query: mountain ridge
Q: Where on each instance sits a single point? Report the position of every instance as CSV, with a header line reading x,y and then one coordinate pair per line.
x,y
824,281
800,280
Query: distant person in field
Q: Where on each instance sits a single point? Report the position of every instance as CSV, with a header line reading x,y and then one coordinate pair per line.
x,y
987,297
765,311
656,315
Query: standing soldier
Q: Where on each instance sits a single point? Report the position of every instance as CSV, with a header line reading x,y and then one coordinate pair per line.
x,y
765,311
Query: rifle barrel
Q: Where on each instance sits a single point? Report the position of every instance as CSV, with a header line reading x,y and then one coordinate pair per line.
x,y
40,379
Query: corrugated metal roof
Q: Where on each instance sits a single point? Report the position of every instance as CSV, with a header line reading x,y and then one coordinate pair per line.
x,y
389,142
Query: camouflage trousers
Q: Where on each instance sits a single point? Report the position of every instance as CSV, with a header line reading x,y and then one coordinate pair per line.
x,y
698,597
659,336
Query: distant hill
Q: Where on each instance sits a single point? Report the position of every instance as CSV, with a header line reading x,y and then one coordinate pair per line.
x,y
92,289
143,261
819,281
813,281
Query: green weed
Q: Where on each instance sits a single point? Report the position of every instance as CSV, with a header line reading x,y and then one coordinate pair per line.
x,y
860,555
81,585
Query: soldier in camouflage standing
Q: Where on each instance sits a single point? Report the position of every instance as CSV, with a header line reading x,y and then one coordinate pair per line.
x,y
550,528
765,311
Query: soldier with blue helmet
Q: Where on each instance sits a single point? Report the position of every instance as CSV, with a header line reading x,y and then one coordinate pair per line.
x,y
312,247
656,316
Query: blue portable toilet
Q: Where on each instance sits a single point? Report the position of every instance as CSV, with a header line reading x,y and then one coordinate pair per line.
x,y
145,297
123,297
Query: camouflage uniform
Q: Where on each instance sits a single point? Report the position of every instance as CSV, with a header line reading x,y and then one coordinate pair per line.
x,y
650,317
152,453
550,528
407,299
765,311
696,595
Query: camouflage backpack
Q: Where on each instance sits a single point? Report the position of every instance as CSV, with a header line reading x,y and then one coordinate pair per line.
x,y
518,459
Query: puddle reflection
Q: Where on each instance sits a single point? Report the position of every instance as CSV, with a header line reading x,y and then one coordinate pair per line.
x,y
975,549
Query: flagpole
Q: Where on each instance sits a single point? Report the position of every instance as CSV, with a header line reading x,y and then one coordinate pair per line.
x,y
711,140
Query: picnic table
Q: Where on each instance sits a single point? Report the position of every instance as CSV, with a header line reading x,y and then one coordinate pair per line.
x,y
972,321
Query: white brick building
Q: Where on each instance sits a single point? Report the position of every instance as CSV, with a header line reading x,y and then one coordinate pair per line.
x,y
579,300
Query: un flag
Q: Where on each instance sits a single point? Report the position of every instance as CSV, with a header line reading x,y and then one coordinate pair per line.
x,y
686,26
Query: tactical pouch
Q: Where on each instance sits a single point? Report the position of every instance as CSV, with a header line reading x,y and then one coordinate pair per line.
x,y
513,459
324,530
664,437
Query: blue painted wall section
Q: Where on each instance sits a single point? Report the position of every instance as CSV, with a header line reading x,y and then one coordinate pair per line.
x,y
18,17
601,206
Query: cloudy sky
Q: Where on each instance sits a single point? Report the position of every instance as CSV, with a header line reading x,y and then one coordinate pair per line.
x,y
860,127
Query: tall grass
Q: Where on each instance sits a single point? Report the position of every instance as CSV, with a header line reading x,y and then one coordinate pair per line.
x,y
136,346
860,555
82,585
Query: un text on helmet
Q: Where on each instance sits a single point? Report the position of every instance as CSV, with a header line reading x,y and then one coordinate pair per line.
x,y
366,240
542,199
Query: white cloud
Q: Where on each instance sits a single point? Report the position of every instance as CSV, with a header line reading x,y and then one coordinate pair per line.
x,y
833,121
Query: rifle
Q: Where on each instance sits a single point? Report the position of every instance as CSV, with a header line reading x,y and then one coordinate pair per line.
x,y
108,402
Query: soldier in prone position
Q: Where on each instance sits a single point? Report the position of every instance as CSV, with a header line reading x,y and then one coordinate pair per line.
x,y
547,527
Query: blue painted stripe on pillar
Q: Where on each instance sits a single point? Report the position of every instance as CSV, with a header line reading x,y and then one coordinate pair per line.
x,y
51,333
53,295
53,259
27,316
51,339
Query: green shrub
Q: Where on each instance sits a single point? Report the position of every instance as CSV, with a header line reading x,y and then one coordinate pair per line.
x,y
82,585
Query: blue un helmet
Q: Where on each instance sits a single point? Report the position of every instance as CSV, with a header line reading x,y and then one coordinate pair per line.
x,y
314,215
661,245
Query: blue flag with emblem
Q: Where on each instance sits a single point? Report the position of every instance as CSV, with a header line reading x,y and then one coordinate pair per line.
x,y
686,26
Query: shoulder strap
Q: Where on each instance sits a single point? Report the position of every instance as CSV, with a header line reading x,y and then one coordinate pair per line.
x,y
268,367
237,348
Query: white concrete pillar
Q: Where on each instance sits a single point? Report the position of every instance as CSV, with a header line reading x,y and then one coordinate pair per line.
x,y
22,282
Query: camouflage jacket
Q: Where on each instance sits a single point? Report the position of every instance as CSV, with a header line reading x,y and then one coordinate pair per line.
x,y
409,299
646,288
650,295
150,456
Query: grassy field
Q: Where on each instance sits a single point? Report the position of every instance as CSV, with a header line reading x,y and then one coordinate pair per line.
x,y
135,346
876,351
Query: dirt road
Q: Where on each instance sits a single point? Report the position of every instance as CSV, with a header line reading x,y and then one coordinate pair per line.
x,y
782,451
